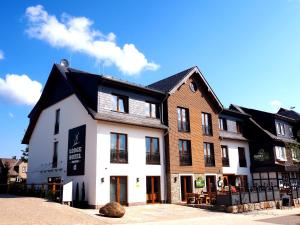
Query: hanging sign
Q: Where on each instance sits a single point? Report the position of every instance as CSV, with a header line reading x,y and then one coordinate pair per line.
x,y
76,151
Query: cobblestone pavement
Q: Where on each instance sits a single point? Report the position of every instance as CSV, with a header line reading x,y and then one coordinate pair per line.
x,y
25,211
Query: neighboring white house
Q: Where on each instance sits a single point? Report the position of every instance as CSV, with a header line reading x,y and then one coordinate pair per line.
x,y
104,132
235,150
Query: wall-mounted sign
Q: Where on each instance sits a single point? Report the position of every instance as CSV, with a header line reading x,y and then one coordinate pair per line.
x,y
199,183
76,151
261,155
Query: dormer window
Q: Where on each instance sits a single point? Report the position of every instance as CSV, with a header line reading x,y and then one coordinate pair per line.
x,y
280,128
151,110
291,132
120,103
280,153
295,154
222,124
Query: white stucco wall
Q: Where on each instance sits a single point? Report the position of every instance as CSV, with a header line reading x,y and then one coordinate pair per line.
x,y
41,145
136,167
234,167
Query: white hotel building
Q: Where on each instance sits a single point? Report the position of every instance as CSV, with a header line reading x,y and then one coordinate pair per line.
x,y
104,132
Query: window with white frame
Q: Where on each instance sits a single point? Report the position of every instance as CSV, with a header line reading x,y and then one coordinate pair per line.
x,y
295,154
280,128
280,153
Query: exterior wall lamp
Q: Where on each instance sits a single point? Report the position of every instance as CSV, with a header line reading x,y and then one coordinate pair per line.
x,y
175,179
137,180
102,179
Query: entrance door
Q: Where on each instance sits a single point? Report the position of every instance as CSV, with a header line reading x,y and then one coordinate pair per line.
x,y
118,189
211,184
186,186
153,189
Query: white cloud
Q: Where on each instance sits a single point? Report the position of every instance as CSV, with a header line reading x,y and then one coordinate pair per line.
x,y
1,55
20,89
276,104
76,34
11,115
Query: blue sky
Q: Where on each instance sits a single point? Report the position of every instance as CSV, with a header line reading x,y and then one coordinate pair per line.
x,y
249,51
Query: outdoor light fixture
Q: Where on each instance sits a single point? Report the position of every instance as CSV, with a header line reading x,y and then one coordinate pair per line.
x,y
175,179
137,180
102,179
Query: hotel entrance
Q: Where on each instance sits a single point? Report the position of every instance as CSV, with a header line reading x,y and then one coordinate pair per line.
x,y
118,190
186,184
153,189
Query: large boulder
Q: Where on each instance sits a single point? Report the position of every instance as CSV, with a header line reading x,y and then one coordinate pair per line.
x,y
113,209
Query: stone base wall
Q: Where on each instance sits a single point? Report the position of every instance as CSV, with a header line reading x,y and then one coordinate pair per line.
x,y
175,188
259,206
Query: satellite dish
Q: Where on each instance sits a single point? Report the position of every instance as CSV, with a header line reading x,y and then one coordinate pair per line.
x,y
64,63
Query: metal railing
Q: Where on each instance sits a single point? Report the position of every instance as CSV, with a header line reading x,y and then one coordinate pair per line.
x,y
118,156
207,130
185,159
225,161
209,160
153,158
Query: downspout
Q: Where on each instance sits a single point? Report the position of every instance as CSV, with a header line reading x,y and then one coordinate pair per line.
x,y
166,132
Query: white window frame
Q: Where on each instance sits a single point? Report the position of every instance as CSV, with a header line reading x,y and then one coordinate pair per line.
x,y
280,153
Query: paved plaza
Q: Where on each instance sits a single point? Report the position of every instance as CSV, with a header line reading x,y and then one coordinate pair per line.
x,y
33,211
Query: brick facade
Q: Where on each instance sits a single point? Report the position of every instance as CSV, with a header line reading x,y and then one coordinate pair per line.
x,y
197,103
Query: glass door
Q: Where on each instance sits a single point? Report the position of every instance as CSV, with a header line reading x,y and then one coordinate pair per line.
x,y
118,189
153,189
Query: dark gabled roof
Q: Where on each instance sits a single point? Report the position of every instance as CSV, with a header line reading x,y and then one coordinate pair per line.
x,y
167,84
235,113
268,133
289,113
170,84
83,84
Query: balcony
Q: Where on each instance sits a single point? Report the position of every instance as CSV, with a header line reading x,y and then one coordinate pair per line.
x,y
209,160
185,159
225,162
207,130
153,158
118,156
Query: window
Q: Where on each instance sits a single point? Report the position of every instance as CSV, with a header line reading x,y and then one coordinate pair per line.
x,y
185,152
280,153
120,103
291,132
57,117
280,129
152,150
118,146
193,86
225,156
24,169
238,127
151,110
209,155
222,124
295,154
206,124
54,158
183,119
242,157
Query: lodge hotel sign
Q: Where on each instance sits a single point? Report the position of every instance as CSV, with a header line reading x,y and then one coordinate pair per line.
x,y
76,151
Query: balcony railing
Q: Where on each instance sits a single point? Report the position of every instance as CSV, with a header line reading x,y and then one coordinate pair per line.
x,y
185,159
118,156
225,162
153,158
207,130
243,163
209,160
